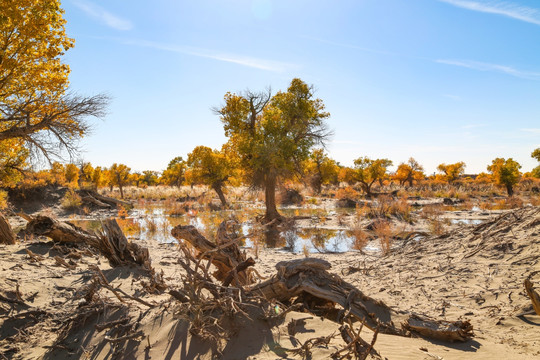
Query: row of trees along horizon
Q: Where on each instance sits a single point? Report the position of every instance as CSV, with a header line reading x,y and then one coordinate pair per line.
x,y
271,137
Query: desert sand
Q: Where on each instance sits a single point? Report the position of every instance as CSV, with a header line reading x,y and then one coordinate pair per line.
x,y
473,273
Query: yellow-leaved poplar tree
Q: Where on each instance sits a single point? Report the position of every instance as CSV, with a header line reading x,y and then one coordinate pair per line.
x,y
35,106
505,173
272,135
452,171
210,167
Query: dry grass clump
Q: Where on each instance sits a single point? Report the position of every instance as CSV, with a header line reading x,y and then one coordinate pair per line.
x,y
71,200
437,226
347,193
466,205
176,208
151,226
535,200
486,205
159,192
360,237
431,211
512,202
386,207
384,231
305,250
401,209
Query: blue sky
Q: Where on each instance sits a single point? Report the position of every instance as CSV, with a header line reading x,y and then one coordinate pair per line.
x,y
439,80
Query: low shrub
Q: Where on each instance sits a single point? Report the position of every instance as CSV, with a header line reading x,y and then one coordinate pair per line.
x,y
71,200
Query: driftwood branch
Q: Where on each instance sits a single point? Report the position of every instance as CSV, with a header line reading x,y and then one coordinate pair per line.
x,y
311,276
59,231
533,295
441,330
111,242
95,198
226,256
7,236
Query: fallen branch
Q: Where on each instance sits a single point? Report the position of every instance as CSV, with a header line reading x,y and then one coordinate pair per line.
x,y
124,338
310,276
7,236
441,330
116,291
226,256
111,242
533,295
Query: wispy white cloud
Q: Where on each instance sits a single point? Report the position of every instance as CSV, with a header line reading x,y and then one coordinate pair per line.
x,y
481,66
534,131
97,12
453,97
257,63
505,8
350,46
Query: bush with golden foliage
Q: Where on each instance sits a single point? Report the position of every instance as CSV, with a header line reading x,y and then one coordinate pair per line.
x,y
71,200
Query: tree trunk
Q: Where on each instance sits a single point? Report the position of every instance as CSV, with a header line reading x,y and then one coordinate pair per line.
x,y
509,189
219,191
121,191
64,232
228,260
367,189
270,197
111,242
316,183
7,236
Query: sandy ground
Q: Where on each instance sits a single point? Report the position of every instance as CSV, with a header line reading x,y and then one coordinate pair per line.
x,y
474,273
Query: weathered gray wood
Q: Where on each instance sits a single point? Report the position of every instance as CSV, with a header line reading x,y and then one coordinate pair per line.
x,y
440,330
310,275
533,295
97,198
111,242
60,231
225,256
7,236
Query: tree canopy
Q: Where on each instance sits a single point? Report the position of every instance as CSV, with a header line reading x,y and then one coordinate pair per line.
x,y
452,171
119,176
367,171
272,135
505,173
210,167
35,106
174,175
536,155
408,172
320,169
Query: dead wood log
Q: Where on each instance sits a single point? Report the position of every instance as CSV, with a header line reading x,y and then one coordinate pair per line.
x,y
239,268
64,232
441,330
7,236
533,295
355,344
226,256
91,200
111,242
118,250
96,198
311,276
